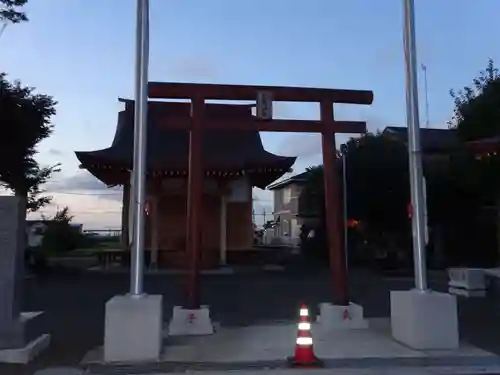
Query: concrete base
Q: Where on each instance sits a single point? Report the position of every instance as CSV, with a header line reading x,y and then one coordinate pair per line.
x,y
27,353
257,347
341,317
23,330
425,320
187,322
133,328
60,371
24,338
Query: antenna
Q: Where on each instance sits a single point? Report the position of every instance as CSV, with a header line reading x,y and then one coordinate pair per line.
x,y
424,69
2,29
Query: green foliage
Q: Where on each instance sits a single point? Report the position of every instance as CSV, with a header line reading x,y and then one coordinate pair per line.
x,y
477,107
377,192
477,182
10,10
461,190
25,120
60,236
477,116
311,200
377,181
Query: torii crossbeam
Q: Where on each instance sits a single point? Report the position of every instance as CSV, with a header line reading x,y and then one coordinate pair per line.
x,y
327,126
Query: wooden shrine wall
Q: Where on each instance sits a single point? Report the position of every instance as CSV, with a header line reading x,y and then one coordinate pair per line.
x,y
172,229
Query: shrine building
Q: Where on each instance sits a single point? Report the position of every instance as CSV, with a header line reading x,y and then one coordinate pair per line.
x,y
233,161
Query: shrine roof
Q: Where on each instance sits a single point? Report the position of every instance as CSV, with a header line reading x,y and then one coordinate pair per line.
x,y
433,140
167,149
484,145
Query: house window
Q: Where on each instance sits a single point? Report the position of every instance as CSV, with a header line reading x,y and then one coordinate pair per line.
x,y
287,195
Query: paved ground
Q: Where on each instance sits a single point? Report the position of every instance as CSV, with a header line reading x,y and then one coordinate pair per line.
x,y
74,304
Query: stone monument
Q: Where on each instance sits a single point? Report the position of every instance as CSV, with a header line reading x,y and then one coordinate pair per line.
x,y
21,336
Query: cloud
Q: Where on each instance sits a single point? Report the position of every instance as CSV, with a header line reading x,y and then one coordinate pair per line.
x,y
193,68
90,201
56,152
83,182
302,145
89,210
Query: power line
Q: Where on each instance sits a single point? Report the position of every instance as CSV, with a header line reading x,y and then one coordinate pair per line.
x,y
84,194
89,212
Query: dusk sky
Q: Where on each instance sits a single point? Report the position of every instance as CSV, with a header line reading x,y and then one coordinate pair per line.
x,y
82,53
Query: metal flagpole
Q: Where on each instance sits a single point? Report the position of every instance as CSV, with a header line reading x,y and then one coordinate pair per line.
x,y
140,145
415,154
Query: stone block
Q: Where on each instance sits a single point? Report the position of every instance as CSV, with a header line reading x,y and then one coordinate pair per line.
x,y
133,328
467,282
341,317
12,247
425,320
189,322
27,353
23,330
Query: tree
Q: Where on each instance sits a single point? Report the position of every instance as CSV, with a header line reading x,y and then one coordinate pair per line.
x,y
377,181
60,236
25,121
10,11
477,116
377,187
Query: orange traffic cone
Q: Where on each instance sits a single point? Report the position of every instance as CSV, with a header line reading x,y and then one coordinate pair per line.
x,y
304,353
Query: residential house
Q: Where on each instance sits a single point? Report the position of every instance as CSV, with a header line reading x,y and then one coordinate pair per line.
x,y
286,207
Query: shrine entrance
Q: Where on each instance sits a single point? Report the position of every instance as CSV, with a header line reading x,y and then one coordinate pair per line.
x,y
327,126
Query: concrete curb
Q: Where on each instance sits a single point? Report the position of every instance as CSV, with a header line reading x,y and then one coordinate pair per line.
x,y
480,362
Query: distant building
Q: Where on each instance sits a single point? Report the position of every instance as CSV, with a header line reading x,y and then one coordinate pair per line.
x,y
286,206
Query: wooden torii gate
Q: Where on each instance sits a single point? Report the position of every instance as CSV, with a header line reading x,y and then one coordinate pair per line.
x,y
327,126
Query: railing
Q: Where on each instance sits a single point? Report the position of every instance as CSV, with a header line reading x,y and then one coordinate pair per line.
x,y
280,241
104,232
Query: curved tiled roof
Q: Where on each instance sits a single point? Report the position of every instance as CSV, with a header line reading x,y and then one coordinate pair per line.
x,y
167,149
432,140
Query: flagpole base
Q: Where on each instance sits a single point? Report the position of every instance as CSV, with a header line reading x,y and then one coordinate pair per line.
x,y
334,317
